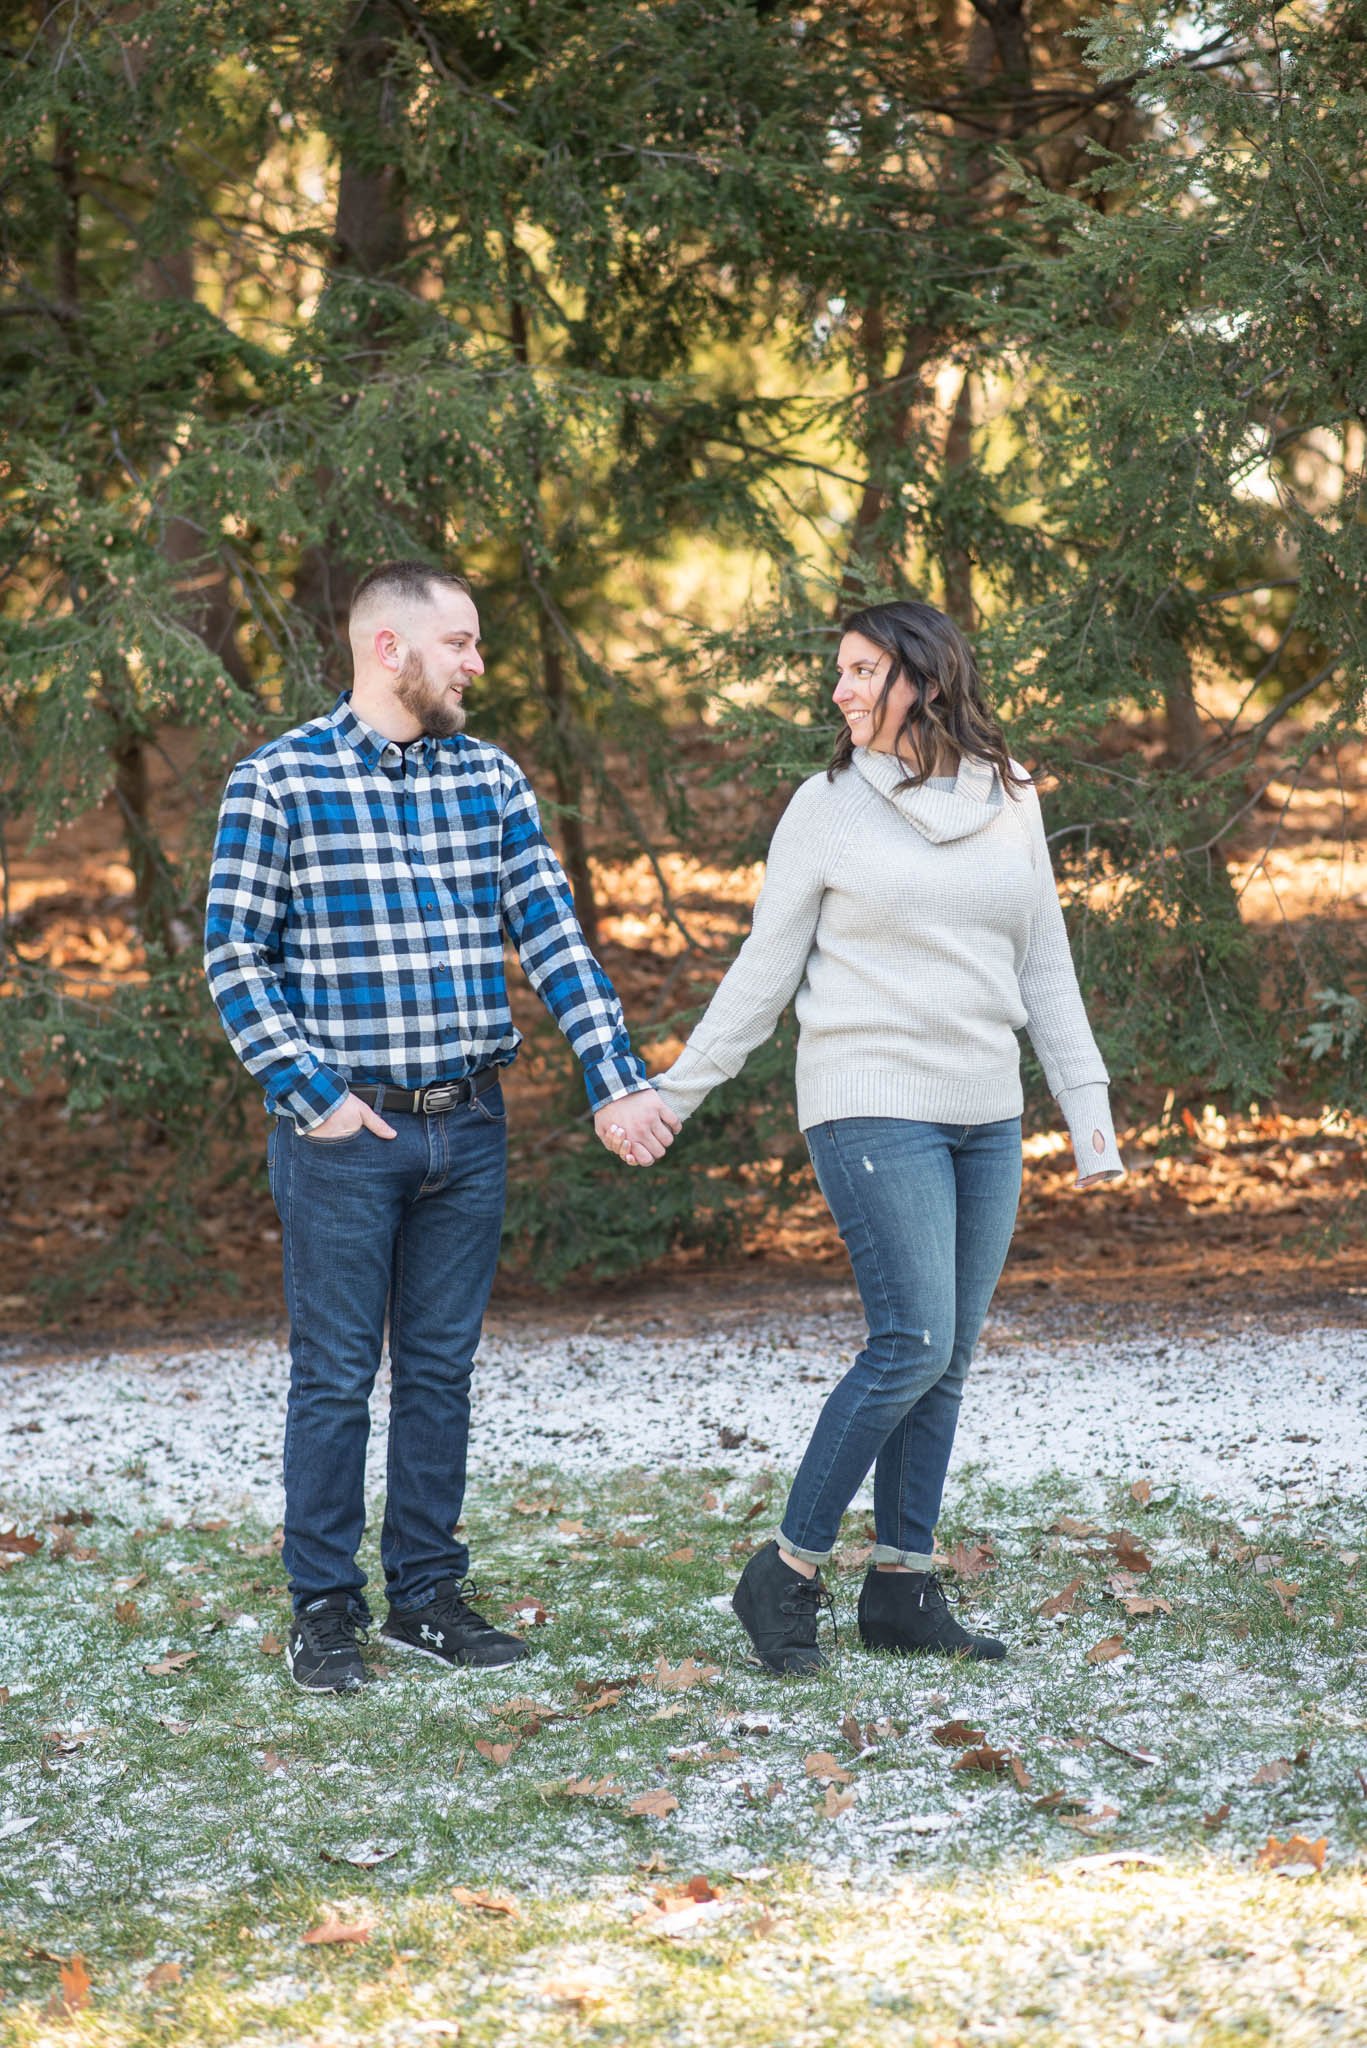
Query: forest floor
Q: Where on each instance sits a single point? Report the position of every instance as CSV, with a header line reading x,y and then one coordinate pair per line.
x,y
1213,1209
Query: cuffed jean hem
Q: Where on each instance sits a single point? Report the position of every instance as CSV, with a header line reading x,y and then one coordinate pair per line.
x,y
914,1560
807,1556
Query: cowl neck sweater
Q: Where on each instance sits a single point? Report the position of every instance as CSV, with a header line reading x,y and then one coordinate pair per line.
x,y
918,930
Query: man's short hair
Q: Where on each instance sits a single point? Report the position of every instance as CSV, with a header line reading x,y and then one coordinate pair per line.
x,y
404,583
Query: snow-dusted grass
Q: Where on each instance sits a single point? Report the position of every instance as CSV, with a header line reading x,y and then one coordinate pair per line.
x,y
186,1817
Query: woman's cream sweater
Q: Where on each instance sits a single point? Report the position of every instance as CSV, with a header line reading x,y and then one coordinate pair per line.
x,y
921,930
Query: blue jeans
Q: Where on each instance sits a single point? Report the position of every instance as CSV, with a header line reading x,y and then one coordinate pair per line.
x,y
926,1212
410,1224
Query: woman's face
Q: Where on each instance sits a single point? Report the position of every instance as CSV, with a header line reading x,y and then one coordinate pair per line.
x,y
862,670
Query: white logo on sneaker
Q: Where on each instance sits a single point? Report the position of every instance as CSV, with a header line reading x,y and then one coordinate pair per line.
x,y
297,1645
432,1635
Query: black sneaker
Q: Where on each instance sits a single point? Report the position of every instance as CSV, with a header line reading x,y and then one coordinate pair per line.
x,y
778,1609
450,1630
908,1612
323,1651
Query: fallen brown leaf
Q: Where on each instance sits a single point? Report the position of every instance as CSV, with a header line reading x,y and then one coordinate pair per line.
x,y
821,1764
1216,1819
487,1902
954,1734
1129,1552
680,1677
1142,1491
130,1582
1021,1774
608,1697
1108,1647
653,1804
272,1761
1069,1525
1275,1773
590,1788
1139,1604
496,1752
73,1993
1085,1823
271,1646
333,1932
835,1803
126,1613
173,1661
163,1974
1284,1594
685,1554
970,1560
983,1758
1278,1855
21,1546
1060,1603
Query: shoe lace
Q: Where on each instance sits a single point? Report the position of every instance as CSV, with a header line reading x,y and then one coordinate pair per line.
x,y
336,1628
816,1595
452,1602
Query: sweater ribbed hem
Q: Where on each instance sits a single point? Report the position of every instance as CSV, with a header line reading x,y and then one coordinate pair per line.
x,y
827,1096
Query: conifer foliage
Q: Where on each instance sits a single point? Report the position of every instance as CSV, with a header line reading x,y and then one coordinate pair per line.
x,y
1050,312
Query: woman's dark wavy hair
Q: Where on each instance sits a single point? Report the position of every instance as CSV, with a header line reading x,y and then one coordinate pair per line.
x,y
954,723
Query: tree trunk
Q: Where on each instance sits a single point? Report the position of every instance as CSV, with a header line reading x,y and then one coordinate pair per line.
x,y
956,564
569,782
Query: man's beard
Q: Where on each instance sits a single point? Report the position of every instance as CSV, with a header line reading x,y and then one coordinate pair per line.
x,y
439,715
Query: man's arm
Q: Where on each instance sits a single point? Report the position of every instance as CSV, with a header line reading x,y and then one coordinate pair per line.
x,y
244,919
538,916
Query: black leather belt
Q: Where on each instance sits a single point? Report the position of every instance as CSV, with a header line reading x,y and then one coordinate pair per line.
x,y
428,1101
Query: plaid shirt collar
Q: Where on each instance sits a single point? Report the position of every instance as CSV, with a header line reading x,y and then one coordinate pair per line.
x,y
372,746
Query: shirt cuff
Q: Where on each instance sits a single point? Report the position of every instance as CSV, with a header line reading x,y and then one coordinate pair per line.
x,y
1088,1110
311,1099
608,1080
686,1084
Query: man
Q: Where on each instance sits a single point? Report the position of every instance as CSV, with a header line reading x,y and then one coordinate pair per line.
x,y
366,869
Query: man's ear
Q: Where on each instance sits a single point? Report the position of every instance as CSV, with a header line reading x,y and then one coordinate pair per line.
x,y
389,649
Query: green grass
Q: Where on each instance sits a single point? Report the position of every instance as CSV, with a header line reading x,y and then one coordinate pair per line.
x,y
943,1900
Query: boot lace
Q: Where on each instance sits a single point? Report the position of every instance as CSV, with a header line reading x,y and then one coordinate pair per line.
x,y
452,1603
937,1602
806,1602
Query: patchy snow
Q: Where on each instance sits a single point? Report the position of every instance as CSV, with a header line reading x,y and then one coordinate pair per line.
x,y
1255,1418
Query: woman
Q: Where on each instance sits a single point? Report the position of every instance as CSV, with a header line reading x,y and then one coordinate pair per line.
x,y
910,903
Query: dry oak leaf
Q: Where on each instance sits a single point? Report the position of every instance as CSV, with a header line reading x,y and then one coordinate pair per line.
x,y
680,1677
1281,1855
130,1582
487,1902
1145,1603
1069,1525
821,1764
73,1992
1274,1773
1142,1492
1211,1821
333,1932
580,1992
529,1612
590,1788
1086,1822
608,1697
164,1973
983,1758
621,1540
653,1804
496,1752
685,1554
22,1546
1284,1594
954,1734
271,1646
970,1560
126,1613
1108,1647
1060,1603
1021,1774
1129,1553
173,1661
835,1803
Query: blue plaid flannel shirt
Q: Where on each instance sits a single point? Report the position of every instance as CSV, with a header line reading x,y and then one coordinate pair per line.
x,y
358,901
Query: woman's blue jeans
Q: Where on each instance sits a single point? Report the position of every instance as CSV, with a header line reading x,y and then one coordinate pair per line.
x,y
926,1212
410,1226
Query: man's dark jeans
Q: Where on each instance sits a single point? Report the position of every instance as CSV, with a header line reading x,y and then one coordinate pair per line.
x,y
410,1224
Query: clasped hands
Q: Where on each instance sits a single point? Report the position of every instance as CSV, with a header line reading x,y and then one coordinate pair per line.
x,y
639,1128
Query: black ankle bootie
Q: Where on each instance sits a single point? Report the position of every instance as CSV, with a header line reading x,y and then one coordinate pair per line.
x,y
778,1610
907,1611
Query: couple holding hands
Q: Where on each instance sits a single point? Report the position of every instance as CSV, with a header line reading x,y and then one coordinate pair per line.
x,y
367,870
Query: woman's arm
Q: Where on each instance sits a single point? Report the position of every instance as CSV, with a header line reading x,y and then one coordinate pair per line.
x,y
1056,1019
762,978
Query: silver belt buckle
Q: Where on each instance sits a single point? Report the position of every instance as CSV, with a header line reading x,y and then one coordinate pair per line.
x,y
445,1095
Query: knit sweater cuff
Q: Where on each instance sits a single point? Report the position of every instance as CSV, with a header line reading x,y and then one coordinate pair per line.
x,y
686,1085
1088,1111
